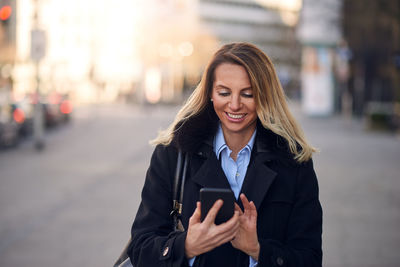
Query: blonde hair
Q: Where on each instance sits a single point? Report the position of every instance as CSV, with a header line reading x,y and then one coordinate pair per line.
x,y
271,105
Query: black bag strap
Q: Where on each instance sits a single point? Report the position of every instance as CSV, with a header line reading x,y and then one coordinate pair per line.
x,y
178,189
183,178
175,190
179,180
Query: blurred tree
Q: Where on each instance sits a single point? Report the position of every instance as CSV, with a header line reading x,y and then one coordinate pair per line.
x,y
372,29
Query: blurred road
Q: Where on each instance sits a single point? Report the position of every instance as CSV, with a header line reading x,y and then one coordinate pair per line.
x,y
73,203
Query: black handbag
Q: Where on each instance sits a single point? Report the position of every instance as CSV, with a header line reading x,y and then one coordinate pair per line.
x,y
179,183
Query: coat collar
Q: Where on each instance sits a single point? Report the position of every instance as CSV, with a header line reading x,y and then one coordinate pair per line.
x,y
259,176
211,174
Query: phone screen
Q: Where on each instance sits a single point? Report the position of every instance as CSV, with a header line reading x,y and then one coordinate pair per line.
x,y
208,196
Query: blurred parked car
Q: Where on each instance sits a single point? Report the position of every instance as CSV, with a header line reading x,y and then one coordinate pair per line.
x,y
57,108
65,108
17,117
23,112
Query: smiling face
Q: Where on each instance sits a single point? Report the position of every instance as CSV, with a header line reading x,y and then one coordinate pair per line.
x,y
233,100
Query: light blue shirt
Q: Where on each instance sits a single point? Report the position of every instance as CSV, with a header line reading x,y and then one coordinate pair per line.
x,y
235,171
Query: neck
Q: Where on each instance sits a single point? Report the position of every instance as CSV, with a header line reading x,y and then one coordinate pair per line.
x,y
237,141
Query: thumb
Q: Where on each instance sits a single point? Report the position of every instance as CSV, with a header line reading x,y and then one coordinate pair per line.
x,y
196,214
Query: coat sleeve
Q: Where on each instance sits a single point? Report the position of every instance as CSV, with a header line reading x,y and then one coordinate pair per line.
x,y
154,242
302,247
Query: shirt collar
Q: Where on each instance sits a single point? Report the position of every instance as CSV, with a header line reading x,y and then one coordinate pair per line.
x,y
220,144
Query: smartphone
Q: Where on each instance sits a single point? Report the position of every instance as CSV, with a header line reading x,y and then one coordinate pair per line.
x,y
208,196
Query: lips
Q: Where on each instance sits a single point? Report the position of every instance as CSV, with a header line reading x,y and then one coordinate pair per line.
x,y
235,117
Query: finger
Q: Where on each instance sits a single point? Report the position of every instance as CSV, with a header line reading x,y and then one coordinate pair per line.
x,y
253,207
234,220
229,225
245,201
195,218
224,232
234,244
236,237
228,237
237,208
246,205
253,210
212,213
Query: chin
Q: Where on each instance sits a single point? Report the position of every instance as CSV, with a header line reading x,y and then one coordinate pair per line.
x,y
237,128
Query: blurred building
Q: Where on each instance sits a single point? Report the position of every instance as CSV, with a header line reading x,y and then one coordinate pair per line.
x,y
268,24
319,32
174,49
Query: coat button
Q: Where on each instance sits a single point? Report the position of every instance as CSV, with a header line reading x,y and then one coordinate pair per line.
x,y
279,261
165,252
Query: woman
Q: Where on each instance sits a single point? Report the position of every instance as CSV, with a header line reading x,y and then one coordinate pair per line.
x,y
239,134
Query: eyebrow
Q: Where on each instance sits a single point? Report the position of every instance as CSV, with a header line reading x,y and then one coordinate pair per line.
x,y
225,87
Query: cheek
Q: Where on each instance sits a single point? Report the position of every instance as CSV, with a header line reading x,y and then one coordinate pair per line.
x,y
218,108
255,111
251,106
218,104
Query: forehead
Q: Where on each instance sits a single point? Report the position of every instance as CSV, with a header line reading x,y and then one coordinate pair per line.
x,y
231,75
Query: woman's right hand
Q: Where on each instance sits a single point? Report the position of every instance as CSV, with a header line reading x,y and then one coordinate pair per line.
x,y
205,236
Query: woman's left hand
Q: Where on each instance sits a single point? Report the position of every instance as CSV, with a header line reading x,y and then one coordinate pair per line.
x,y
246,238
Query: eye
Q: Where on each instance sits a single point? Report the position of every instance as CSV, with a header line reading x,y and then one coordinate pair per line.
x,y
223,93
247,95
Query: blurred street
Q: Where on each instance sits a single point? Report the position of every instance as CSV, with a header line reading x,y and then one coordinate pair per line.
x,y
73,203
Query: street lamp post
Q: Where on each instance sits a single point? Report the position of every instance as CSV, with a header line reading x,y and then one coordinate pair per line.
x,y
38,42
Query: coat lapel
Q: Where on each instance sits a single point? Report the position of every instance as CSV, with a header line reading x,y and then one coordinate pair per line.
x,y
210,174
258,180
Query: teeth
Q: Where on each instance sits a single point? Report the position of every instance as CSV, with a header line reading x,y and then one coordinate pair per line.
x,y
233,116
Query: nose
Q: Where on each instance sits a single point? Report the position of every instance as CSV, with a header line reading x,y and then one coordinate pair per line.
x,y
235,103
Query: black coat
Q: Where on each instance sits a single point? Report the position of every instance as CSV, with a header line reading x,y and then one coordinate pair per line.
x,y
289,223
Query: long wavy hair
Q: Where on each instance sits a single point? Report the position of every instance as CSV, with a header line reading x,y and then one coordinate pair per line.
x,y
271,106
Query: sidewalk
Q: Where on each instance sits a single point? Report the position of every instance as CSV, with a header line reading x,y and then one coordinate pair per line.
x,y
359,177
